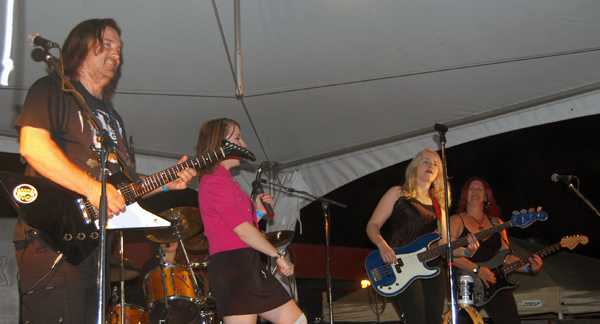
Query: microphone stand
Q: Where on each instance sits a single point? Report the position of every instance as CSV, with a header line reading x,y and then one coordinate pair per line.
x,y
570,185
325,207
106,145
442,129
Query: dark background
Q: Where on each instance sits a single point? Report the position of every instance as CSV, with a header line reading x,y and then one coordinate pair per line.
x,y
517,165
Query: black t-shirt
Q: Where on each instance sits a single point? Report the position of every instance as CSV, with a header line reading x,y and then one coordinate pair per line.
x,y
48,107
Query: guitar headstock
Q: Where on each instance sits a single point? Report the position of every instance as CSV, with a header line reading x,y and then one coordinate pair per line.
x,y
571,242
525,218
231,149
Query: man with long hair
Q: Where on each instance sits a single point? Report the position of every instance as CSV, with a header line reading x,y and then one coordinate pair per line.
x,y
56,141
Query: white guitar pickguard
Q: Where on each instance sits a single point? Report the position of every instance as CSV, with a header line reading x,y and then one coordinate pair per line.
x,y
135,217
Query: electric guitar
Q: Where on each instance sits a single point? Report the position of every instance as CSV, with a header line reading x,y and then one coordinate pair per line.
x,y
391,279
68,222
482,294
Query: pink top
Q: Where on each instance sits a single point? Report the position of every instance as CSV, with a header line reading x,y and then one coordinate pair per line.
x,y
224,206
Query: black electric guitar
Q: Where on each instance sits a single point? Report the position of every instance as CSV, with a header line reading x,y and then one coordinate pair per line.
x,y
68,222
482,294
391,279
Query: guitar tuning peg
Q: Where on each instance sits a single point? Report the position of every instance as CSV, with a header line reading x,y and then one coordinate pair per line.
x,y
530,210
539,208
515,212
523,211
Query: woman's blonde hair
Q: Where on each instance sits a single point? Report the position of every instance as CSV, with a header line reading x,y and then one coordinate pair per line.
x,y
436,191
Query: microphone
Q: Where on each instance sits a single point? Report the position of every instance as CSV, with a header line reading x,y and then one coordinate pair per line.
x,y
555,177
259,190
259,173
440,128
36,40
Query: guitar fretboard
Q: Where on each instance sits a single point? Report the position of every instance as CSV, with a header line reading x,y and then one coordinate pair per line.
x,y
508,269
441,250
161,178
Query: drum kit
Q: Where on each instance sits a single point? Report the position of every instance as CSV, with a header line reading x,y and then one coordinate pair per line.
x,y
172,291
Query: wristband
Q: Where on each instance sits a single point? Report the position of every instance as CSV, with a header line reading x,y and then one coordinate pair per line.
x,y
165,189
259,214
279,255
465,254
528,269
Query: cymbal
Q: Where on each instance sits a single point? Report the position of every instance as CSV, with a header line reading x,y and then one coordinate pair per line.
x,y
279,238
185,220
130,269
197,243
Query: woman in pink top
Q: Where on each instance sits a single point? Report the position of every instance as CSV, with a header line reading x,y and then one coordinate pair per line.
x,y
243,288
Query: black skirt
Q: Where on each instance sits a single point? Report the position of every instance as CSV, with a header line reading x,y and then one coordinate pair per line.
x,y
242,285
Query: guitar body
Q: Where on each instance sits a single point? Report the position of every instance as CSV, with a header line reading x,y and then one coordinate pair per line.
x,y
51,215
481,294
391,279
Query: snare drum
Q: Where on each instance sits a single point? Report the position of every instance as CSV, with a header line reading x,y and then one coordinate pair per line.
x,y
133,315
178,290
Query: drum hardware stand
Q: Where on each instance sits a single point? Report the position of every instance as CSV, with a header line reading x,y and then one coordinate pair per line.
x,y
163,277
442,129
105,146
187,259
325,207
122,276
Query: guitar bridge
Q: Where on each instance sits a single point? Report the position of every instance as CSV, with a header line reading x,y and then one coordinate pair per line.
x,y
376,275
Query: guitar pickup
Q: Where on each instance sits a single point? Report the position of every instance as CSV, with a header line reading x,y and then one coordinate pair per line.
x,y
81,204
399,265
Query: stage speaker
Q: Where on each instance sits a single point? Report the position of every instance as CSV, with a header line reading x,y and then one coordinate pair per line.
x,y
9,289
576,321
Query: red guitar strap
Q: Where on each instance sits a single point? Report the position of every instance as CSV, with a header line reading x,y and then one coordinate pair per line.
x,y
438,211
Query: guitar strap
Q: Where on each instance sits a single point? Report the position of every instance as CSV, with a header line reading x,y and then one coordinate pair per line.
x,y
438,210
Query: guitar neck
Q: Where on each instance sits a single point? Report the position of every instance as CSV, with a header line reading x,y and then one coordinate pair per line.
x,y
163,177
510,268
441,250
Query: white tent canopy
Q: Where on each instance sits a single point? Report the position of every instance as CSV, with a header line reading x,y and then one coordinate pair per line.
x,y
333,90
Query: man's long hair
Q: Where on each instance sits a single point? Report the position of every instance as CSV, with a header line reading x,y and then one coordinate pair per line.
x,y
77,45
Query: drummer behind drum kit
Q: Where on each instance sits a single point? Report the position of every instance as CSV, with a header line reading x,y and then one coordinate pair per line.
x,y
171,291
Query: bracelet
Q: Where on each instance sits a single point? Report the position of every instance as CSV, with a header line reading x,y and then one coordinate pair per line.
x,y
278,255
259,214
528,269
165,189
465,254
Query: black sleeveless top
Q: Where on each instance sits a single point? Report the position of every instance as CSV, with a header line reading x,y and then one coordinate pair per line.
x,y
410,219
487,248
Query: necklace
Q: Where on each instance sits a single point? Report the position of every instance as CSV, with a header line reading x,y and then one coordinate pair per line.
x,y
481,228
